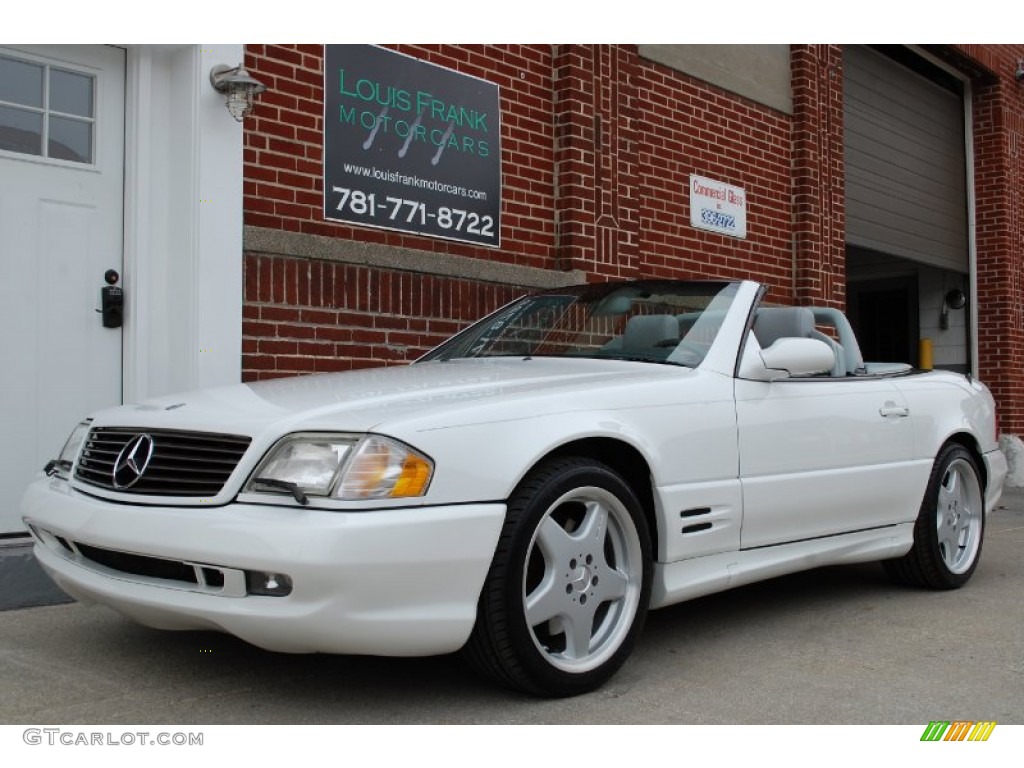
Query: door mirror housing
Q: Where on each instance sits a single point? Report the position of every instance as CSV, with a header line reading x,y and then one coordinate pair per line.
x,y
785,359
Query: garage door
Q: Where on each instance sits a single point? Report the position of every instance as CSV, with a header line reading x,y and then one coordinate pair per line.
x,y
906,180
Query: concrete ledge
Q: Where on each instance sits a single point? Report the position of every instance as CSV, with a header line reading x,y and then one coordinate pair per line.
x,y
261,240
760,72
1013,448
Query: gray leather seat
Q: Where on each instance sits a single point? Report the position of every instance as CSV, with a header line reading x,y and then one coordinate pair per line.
x,y
774,323
650,335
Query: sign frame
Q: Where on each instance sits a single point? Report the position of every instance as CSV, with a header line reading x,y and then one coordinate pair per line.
x,y
410,146
718,207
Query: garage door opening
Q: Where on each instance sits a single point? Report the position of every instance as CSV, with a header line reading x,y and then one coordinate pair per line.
x,y
895,303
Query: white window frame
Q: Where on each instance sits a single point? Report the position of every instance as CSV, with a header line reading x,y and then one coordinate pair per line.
x,y
48,64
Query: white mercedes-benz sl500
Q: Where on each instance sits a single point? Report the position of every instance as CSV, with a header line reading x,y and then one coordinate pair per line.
x,y
527,491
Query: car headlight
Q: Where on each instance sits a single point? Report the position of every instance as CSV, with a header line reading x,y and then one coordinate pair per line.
x,y
68,454
383,468
344,467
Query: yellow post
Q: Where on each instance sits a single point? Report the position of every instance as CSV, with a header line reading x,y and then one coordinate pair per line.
x,y
925,355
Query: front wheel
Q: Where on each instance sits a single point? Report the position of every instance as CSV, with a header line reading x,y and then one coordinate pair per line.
x,y
950,526
569,585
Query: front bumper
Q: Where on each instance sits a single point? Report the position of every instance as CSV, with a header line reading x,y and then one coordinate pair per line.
x,y
388,582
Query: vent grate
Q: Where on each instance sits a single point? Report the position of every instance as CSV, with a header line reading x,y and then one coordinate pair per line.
x,y
140,565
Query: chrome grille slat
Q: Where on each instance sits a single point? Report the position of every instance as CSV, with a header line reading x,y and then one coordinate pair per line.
x,y
230,462
190,453
182,464
172,477
173,473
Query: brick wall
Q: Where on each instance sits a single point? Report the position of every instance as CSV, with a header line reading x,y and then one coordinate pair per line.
x,y
819,216
597,148
690,127
306,315
998,128
283,140
598,194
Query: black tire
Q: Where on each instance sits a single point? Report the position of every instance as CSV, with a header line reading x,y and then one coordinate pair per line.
x,y
575,548
950,527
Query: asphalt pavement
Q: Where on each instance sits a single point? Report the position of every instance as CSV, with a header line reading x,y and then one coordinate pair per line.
x,y
832,646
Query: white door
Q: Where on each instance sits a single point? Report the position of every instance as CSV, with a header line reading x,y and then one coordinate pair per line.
x,y
61,229
824,456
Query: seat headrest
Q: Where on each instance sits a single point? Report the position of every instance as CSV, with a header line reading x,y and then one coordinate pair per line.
x,y
774,323
644,332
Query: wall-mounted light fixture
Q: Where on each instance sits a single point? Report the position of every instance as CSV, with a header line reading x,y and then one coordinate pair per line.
x,y
954,299
1019,74
238,86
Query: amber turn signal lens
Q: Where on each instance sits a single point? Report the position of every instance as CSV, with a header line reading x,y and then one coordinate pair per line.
x,y
384,468
415,475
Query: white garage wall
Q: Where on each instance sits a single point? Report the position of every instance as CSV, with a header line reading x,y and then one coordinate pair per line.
x,y
949,346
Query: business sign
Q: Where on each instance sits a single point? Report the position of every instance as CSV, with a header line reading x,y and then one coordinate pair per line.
x,y
718,207
410,146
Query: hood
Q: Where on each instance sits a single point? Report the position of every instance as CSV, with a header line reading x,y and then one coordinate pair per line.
x,y
367,400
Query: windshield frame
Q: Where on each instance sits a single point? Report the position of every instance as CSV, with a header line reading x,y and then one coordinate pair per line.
x,y
698,308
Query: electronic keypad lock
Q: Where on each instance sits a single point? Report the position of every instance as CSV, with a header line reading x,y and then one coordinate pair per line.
x,y
112,301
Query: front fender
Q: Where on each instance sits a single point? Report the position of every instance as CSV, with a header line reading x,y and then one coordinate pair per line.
x,y
684,439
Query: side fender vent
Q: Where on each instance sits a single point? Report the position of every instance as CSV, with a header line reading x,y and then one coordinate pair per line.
x,y
696,512
696,527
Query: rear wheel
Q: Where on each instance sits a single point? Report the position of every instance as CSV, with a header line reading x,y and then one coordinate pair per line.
x,y
568,589
950,527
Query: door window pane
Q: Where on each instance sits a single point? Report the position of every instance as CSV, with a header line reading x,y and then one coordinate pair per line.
x,y
21,82
70,93
21,131
70,139
47,111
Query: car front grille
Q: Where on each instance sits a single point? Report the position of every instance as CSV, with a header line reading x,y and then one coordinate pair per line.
x,y
172,463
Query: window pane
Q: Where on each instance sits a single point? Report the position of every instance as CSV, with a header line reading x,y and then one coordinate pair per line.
x,y
70,139
21,82
21,131
70,93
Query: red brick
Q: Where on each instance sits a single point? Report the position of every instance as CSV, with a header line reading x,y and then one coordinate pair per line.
x,y
619,207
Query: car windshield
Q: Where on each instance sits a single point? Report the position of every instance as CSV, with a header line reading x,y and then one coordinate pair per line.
x,y
673,322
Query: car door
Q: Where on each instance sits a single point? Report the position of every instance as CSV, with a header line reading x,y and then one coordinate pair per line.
x,y
823,456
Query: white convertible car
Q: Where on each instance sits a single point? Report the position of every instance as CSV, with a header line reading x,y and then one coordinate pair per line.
x,y
529,489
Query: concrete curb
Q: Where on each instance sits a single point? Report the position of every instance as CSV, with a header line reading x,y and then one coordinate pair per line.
x,y
25,583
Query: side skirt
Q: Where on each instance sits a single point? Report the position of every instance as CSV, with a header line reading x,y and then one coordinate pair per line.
x,y
687,579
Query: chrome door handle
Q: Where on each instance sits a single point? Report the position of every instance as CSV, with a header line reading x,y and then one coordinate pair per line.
x,y
891,409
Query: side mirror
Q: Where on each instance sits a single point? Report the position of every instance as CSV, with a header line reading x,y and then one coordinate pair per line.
x,y
798,357
785,358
